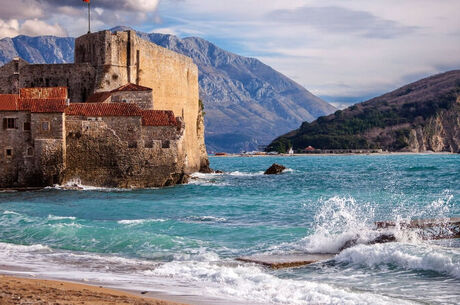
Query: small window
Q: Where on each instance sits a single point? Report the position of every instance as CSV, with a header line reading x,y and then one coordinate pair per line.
x,y
165,144
148,144
26,125
9,152
123,101
132,144
45,126
30,152
9,123
16,67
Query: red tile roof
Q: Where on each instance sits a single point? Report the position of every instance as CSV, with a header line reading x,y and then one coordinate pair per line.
x,y
99,109
42,105
99,97
9,102
45,93
132,87
12,102
158,118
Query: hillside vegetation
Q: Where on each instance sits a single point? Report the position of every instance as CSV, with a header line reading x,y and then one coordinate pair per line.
x,y
421,116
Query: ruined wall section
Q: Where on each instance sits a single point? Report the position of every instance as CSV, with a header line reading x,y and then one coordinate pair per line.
x,y
124,58
112,152
78,78
17,158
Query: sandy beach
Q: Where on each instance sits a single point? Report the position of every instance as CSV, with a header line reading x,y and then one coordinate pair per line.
x,y
14,290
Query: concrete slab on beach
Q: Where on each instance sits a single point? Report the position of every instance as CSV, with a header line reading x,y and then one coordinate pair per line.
x,y
286,260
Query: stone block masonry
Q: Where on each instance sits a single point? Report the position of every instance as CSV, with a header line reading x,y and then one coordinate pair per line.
x,y
111,68
123,57
48,142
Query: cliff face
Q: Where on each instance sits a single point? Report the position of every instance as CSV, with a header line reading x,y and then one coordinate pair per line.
x,y
441,133
422,116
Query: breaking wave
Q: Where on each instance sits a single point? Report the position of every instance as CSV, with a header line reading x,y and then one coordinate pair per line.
x,y
205,219
139,221
404,256
340,220
252,284
53,217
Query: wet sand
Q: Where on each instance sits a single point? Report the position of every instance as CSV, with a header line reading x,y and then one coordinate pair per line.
x,y
14,290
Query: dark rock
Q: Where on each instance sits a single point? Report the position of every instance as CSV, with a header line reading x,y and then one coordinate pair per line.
x,y
381,239
275,169
204,167
348,244
384,238
218,172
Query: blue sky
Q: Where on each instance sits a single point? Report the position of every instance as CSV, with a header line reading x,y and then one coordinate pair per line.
x,y
342,50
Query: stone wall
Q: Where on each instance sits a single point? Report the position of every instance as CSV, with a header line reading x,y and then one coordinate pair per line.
x,y
78,78
49,146
17,156
111,152
141,98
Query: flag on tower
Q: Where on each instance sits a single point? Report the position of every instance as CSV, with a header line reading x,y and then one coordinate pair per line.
x,y
89,15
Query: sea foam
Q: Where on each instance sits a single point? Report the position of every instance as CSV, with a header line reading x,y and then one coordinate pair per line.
x,y
403,256
139,221
253,285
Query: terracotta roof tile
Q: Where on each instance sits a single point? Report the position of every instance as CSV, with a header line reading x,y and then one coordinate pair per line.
x,y
99,97
44,93
158,118
42,105
9,102
132,87
99,109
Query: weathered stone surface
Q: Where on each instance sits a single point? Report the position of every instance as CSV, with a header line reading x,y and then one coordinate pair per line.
x,y
105,61
275,169
107,151
120,152
123,57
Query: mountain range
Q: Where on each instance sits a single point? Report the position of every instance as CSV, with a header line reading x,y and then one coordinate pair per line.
x,y
247,103
421,116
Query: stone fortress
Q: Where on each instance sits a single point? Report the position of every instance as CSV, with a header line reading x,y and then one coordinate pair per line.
x,y
125,114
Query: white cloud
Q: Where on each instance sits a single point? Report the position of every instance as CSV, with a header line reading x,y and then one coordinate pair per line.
x,y
141,5
30,27
169,31
332,47
35,27
9,28
21,9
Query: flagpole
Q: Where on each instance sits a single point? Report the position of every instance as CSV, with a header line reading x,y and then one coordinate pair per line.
x,y
89,18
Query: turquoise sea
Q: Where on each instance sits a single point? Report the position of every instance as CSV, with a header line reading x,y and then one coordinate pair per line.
x,y
183,240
